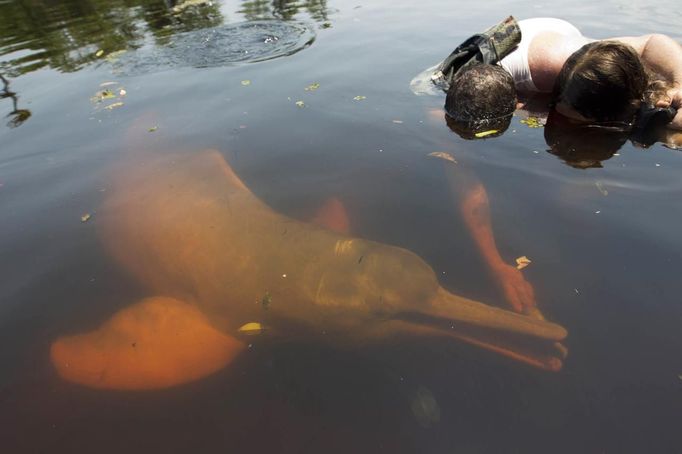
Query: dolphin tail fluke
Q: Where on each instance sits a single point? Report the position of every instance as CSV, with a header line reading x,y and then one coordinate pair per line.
x,y
157,343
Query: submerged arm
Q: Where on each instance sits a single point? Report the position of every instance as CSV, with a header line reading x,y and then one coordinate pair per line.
x,y
475,211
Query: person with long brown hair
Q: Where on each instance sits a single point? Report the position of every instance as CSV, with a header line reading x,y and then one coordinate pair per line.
x,y
590,80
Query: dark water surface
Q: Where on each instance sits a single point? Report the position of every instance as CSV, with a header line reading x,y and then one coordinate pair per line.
x,y
604,242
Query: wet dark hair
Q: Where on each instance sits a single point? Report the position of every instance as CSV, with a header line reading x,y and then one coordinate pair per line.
x,y
481,93
603,81
481,99
580,145
481,129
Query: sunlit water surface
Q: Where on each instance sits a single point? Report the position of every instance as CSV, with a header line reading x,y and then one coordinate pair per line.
x,y
604,242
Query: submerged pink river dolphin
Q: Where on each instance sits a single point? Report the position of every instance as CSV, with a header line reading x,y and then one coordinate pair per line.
x,y
215,258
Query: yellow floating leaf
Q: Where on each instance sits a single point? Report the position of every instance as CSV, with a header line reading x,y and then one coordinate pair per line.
x,y
153,128
99,53
443,155
486,133
532,122
359,98
522,262
251,328
312,87
86,217
246,82
300,103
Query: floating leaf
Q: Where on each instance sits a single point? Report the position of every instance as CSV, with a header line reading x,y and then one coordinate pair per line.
x,y
122,92
153,128
113,106
443,155
246,82
359,98
99,53
312,87
532,122
86,217
300,103
251,328
482,134
522,262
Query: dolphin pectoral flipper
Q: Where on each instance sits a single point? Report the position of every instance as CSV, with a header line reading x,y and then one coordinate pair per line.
x,y
156,343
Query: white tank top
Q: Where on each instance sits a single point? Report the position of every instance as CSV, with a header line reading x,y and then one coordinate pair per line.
x,y
517,62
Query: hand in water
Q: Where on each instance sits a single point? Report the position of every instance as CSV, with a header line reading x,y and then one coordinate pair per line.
x,y
674,99
517,290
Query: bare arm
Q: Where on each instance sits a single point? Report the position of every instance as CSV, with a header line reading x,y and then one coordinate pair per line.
x,y
664,55
475,209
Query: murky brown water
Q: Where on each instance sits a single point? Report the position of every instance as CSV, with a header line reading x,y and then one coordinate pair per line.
x,y
603,241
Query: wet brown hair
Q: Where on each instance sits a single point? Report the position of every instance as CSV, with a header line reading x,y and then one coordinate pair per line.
x,y
603,81
481,94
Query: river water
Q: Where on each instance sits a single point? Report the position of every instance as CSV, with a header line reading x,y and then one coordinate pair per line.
x,y
325,113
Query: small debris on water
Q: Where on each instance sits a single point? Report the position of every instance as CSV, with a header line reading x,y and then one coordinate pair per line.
x,y
122,92
601,188
266,300
246,82
480,135
153,128
532,122
522,262
658,165
597,212
359,98
398,122
99,53
577,292
443,155
114,105
86,217
312,87
300,104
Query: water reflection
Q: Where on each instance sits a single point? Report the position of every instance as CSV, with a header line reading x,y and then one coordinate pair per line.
x,y
197,238
72,34
285,9
17,116
69,35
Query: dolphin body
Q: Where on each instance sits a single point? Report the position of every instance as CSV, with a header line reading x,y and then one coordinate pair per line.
x,y
216,258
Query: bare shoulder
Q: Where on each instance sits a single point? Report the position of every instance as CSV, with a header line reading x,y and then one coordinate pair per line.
x,y
547,54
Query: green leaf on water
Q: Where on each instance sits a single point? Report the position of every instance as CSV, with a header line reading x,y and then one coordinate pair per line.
x,y
246,82
153,128
360,98
312,87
